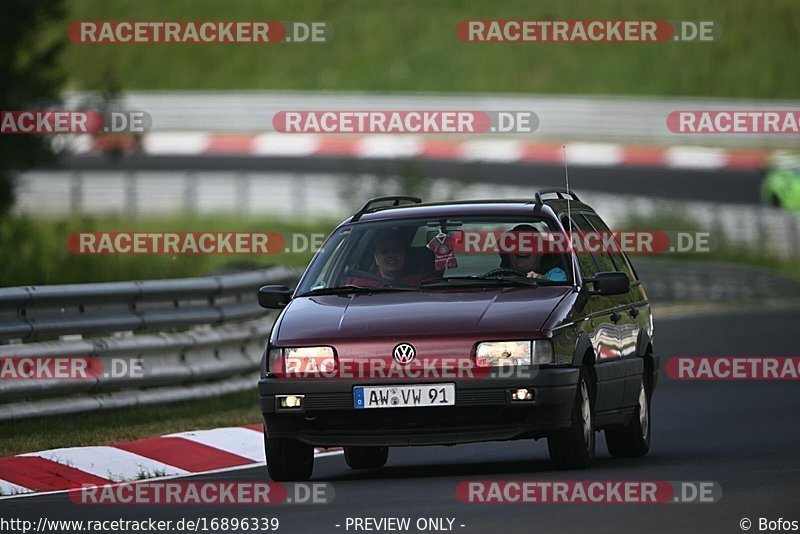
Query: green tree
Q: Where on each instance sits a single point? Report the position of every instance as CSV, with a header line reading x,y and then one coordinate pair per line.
x,y
29,79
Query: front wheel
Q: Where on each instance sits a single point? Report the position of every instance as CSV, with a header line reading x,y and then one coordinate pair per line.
x,y
288,459
633,439
573,448
366,457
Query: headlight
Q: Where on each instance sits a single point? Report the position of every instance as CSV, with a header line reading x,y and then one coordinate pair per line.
x,y
508,353
301,360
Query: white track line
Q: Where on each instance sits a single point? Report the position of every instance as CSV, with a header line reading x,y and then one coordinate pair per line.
x,y
595,154
180,143
9,488
277,144
691,157
172,477
388,146
502,150
407,146
236,440
108,462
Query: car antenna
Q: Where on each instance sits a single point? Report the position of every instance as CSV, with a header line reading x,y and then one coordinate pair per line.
x,y
569,212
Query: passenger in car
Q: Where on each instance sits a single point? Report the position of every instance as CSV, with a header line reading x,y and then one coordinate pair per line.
x,y
530,262
390,252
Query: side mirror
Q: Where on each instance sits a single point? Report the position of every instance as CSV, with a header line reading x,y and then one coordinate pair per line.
x,y
274,297
611,283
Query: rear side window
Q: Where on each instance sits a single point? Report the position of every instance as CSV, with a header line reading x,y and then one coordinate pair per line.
x,y
591,263
586,262
620,260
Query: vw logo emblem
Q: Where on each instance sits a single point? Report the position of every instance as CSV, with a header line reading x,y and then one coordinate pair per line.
x,y
404,353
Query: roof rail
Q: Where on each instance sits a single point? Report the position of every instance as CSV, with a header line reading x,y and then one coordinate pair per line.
x,y
395,199
558,191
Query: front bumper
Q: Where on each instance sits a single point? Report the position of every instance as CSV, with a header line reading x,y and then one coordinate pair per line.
x,y
483,411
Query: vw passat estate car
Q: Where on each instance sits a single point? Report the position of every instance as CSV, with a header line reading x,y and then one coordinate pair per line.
x,y
456,322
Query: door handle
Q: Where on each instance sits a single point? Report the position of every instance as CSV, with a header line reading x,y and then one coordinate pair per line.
x,y
615,317
634,312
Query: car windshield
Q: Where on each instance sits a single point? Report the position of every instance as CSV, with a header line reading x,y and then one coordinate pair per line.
x,y
424,254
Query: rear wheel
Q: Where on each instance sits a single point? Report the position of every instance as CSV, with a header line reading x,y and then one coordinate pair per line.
x,y
633,439
366,457
573,448
288,459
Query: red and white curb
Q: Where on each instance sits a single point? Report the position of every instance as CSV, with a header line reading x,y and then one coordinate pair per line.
x,y
388,146
173,455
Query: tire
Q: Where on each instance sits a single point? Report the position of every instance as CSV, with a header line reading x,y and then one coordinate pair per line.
x,y
573,448
774,201
288,460
366,457
632,440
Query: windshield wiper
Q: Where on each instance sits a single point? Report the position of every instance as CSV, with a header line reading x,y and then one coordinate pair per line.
x,y
350,288
481,280
478,280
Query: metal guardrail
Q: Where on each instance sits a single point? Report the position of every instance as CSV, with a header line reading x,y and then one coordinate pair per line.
x,y
54,310
596,118
671,281
192,338
310,195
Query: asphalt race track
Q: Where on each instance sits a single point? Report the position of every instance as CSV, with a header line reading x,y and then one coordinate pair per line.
x,y
714,185
743,435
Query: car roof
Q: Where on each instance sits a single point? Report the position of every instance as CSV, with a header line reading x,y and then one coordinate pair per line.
x,y
461,208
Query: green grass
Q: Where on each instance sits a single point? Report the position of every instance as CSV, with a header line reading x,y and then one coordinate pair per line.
x,y
128,424
36,251
395,45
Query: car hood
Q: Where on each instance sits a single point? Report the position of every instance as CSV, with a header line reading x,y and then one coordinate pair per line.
x,y
411,313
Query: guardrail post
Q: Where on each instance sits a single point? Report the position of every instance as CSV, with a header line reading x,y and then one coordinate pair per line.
x,y
300,195
763,236
190,192
793,235
131,194
243,193
76,192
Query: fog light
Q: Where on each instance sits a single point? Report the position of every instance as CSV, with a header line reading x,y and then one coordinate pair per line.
x,y
521,394
290,402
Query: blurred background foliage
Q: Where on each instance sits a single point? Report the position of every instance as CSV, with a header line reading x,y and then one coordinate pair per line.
x,y
32,76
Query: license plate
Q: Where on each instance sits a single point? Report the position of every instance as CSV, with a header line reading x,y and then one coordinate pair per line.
x,y
404,396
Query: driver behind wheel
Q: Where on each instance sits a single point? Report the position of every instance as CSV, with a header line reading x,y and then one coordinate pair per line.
x,y
389,252
529,263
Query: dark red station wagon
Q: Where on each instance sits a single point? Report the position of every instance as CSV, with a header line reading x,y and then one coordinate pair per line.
x,y
455,322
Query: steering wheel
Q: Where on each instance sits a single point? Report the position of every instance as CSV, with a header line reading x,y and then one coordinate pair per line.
x,y
384,282
356,273
505,270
